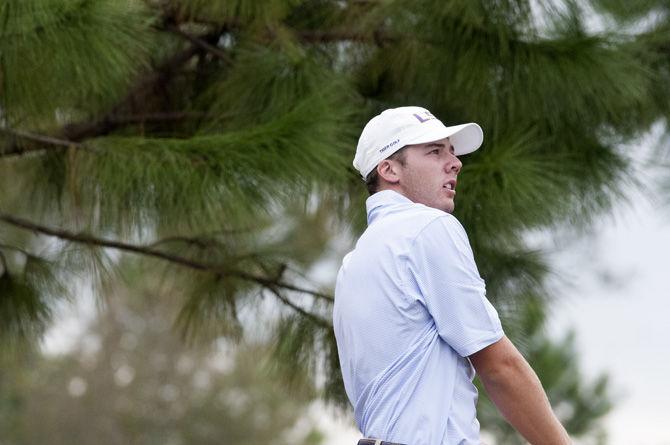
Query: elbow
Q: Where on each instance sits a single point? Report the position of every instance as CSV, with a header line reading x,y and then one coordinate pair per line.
x,y
499,363
505,370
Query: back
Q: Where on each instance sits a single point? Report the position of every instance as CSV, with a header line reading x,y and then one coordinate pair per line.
x,y
407,383
371,290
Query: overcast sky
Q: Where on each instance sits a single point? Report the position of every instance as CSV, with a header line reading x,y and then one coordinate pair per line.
x,y
619,307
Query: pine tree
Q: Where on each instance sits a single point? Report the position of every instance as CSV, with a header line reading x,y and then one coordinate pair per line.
x,y
645,25
213,140
130,379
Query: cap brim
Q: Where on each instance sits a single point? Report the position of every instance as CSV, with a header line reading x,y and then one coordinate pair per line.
x,y
465,138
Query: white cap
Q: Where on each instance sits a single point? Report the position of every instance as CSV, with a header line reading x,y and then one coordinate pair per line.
x,y
395,128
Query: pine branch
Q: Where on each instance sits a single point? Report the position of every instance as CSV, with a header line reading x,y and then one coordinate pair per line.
x,y
3,264
120,120
202,241
15,149
200,42
137,94
266,282
41,138
174,116
316,319
72,134
16,249
378,37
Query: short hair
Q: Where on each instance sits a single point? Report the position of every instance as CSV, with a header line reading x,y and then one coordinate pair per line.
x,y
372,179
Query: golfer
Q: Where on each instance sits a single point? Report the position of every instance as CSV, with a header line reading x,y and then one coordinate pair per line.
x,y
411,317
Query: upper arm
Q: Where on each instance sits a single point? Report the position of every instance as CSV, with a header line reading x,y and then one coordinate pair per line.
x,y
442,266
495,357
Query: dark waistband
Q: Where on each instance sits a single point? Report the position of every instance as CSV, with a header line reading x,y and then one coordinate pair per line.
x,y
376,442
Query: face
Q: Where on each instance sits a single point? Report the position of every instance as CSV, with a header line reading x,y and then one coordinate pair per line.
x,y
429,173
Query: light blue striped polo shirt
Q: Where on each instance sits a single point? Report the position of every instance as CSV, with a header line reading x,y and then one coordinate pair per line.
x,y
410,307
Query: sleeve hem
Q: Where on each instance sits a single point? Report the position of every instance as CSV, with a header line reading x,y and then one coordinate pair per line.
x,y
480,344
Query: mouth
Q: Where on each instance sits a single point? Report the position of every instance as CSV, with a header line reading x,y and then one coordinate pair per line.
x,y
450,185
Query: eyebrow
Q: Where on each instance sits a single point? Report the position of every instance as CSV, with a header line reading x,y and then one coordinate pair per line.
x,y
438,144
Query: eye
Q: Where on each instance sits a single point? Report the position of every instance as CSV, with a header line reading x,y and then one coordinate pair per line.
x,y
434,151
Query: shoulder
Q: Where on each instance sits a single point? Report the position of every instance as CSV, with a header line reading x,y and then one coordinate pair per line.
x,y
440,225
443,238
428,219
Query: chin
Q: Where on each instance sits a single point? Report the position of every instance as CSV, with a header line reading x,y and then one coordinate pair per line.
x,y
449,207
445,207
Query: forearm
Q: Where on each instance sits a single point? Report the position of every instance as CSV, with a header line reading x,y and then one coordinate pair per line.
x,y
522,401
518,394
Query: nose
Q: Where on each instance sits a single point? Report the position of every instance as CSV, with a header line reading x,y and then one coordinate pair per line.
x,y
453,164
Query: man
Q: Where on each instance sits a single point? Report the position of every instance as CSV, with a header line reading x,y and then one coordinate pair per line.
x,y
411,317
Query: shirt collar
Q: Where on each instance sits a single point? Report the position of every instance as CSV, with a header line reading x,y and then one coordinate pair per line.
x,y
376,202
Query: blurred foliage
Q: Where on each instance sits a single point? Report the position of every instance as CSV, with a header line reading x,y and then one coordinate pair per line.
x,y
130,379
92,50
576,401
212,140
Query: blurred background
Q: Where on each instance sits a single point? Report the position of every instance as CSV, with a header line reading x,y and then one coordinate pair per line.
x,y
176,194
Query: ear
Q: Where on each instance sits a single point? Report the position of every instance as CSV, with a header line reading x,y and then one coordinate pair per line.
x,y
389,171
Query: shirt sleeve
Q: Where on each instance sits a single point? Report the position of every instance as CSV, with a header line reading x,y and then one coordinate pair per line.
x,y
443,268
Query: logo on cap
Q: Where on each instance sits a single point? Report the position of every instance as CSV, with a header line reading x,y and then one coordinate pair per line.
x,y
424,116
387,146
